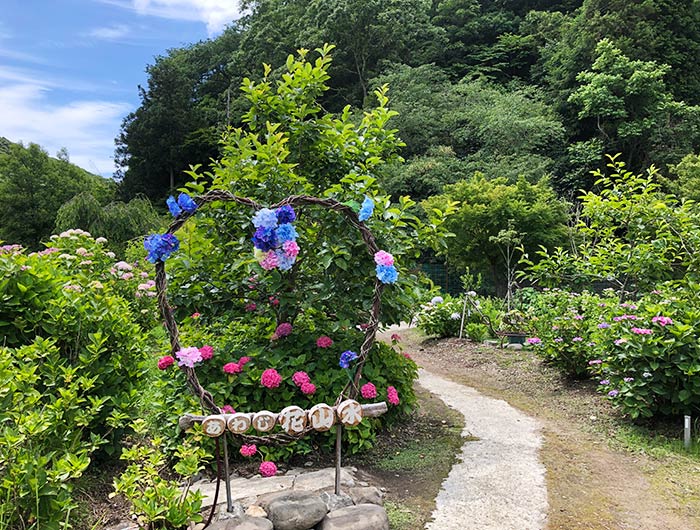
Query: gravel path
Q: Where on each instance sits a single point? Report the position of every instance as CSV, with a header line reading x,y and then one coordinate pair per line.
x,y
499,483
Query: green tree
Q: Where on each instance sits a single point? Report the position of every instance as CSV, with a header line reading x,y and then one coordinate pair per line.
x,y
629,234
33,187
632,110
490,208
686,185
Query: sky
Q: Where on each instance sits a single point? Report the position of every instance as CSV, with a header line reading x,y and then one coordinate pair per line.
x,y
70,69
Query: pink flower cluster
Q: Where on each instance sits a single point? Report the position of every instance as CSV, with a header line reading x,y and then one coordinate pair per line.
x,y
165,362
383,258
641,331
625,317
270,378
369,391
392,395
228,409
303,381
207,352
283,330
662,321
324,342
248,450
236,367
188,357
268,469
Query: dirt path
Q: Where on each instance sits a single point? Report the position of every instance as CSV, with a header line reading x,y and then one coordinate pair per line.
x,y
590,485
503,460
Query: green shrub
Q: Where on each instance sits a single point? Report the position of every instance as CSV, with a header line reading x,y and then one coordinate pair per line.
x,y
158,502
297,352
649,356
476,331
70,371
563,325
441,317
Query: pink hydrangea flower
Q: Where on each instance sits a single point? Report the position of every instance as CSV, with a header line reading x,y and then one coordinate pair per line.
x,y
196,315
383,258
248,450
392,395
123,266
144,275
284,329
308,389
274,301
268,469
127,275
188,357
232,368
207,352
395,337
408,356
165,362
641,331
271,378
324,342
228,409
662,321
244,360
270,261
252,306
299,378
368,391
291,249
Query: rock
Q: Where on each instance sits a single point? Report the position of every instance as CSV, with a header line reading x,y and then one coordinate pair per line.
x,y
255,511
322,479
366,495
295,510
360,517
236,511
243,523
515,346
335,502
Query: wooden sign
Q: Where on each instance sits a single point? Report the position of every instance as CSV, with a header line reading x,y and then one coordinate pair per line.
x,y
264,421
350,412
239,423
321,417
293,420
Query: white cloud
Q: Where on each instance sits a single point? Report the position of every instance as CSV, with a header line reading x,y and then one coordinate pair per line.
x,y
216,14
113,32
85,127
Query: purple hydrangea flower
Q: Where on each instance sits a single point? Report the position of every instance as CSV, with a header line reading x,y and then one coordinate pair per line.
x,y
160,246
265,238
604,382
285,214
613,393
346,358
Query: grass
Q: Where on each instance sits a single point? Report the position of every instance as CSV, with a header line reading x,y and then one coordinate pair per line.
x,y
400,516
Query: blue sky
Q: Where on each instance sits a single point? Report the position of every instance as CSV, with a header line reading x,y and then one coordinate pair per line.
x,y
69,69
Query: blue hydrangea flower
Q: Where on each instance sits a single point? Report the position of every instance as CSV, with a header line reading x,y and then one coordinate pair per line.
x,y
285,214
160,246
286,232
173,206
346,358
284,262
265,218
265,238
366,209
387,273
186,203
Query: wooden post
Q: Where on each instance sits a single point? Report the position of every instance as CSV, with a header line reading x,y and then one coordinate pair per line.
x,y
227,472
338,455
686,432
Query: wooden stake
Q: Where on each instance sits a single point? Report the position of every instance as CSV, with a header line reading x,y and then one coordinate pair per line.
x,y
338,451
229,498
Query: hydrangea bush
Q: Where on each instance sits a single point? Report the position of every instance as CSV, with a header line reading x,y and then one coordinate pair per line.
x,y
71,366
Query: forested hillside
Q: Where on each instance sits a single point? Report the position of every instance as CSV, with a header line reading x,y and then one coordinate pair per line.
x,y
40,195
507,88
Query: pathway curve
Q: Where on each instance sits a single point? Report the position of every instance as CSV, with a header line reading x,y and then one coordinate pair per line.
x,y
499,483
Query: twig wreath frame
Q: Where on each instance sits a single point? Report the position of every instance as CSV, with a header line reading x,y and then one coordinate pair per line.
x,y
350,391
